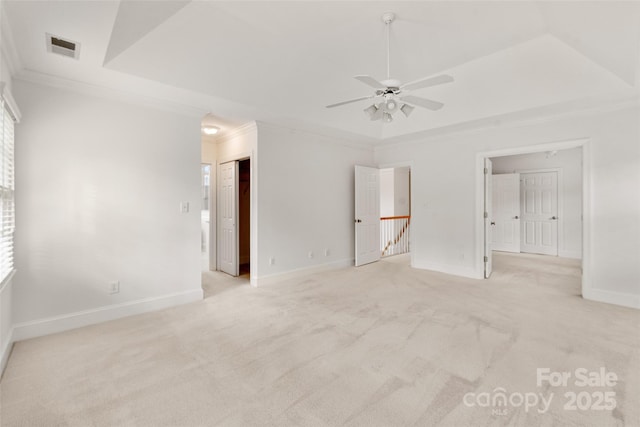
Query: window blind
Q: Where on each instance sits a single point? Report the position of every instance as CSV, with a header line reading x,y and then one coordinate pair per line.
x,y
7,205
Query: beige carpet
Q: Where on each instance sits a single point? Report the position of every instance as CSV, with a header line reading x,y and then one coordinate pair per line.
x,y
379,345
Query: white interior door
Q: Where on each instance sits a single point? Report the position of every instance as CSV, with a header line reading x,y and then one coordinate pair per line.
x,y
539,211
488,189
367,212
505,204
228,216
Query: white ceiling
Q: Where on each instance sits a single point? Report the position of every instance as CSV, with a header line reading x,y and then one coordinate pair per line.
x,y
284,61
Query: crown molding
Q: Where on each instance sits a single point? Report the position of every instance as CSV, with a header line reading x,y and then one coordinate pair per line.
x,y
244,129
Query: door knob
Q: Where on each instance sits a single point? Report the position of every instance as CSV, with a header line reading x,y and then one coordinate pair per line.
x,y
516,217
358,220
553,217
493,223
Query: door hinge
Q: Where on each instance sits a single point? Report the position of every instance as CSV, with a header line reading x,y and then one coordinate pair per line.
x,y
486,215
486,259
486,171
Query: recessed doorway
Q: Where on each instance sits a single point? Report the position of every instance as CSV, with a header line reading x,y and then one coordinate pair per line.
x,y
537,206
244,217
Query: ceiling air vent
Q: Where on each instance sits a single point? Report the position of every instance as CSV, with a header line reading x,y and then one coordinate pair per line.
x,y
62,46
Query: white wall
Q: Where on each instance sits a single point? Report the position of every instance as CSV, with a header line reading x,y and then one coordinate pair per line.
x,y
208,151
6,44
569,162
401,195
98,189
5,75
306,200
387,202
444,187
394,191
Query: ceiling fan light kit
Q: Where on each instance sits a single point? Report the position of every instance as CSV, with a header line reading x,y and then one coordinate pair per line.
x,y
391,95
406,109
372,111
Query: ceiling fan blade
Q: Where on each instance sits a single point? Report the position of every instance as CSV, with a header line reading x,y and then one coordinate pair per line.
x,y
368,80
422,102
431,81
348,102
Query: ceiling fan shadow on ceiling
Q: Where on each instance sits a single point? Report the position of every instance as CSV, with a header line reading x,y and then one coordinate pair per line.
x,y
391,95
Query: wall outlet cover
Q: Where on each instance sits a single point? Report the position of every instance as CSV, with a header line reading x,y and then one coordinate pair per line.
x,y
114,287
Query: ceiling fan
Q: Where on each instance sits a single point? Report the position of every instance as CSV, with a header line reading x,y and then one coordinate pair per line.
x,y
391,95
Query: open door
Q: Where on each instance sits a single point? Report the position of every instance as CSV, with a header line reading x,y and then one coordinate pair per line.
x,y
228,217
367,214
505,207
488,217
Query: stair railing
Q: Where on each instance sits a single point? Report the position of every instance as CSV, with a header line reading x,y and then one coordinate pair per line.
x,y
394,235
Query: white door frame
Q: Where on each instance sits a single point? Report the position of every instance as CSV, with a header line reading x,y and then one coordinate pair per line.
x,y
488,217
583,143
253,209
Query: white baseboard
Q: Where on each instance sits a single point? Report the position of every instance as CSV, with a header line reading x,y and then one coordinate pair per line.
x,y
455,270
505,248
300,272
609,297
570,254
65,322
6,351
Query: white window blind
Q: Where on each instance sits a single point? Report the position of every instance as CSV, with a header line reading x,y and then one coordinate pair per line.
x,y
7,206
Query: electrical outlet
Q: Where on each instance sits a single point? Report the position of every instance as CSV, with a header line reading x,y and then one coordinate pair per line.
x,y
310,254
114,287
272,261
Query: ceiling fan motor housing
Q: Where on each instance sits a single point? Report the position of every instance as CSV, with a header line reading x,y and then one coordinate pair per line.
x,y
390,106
